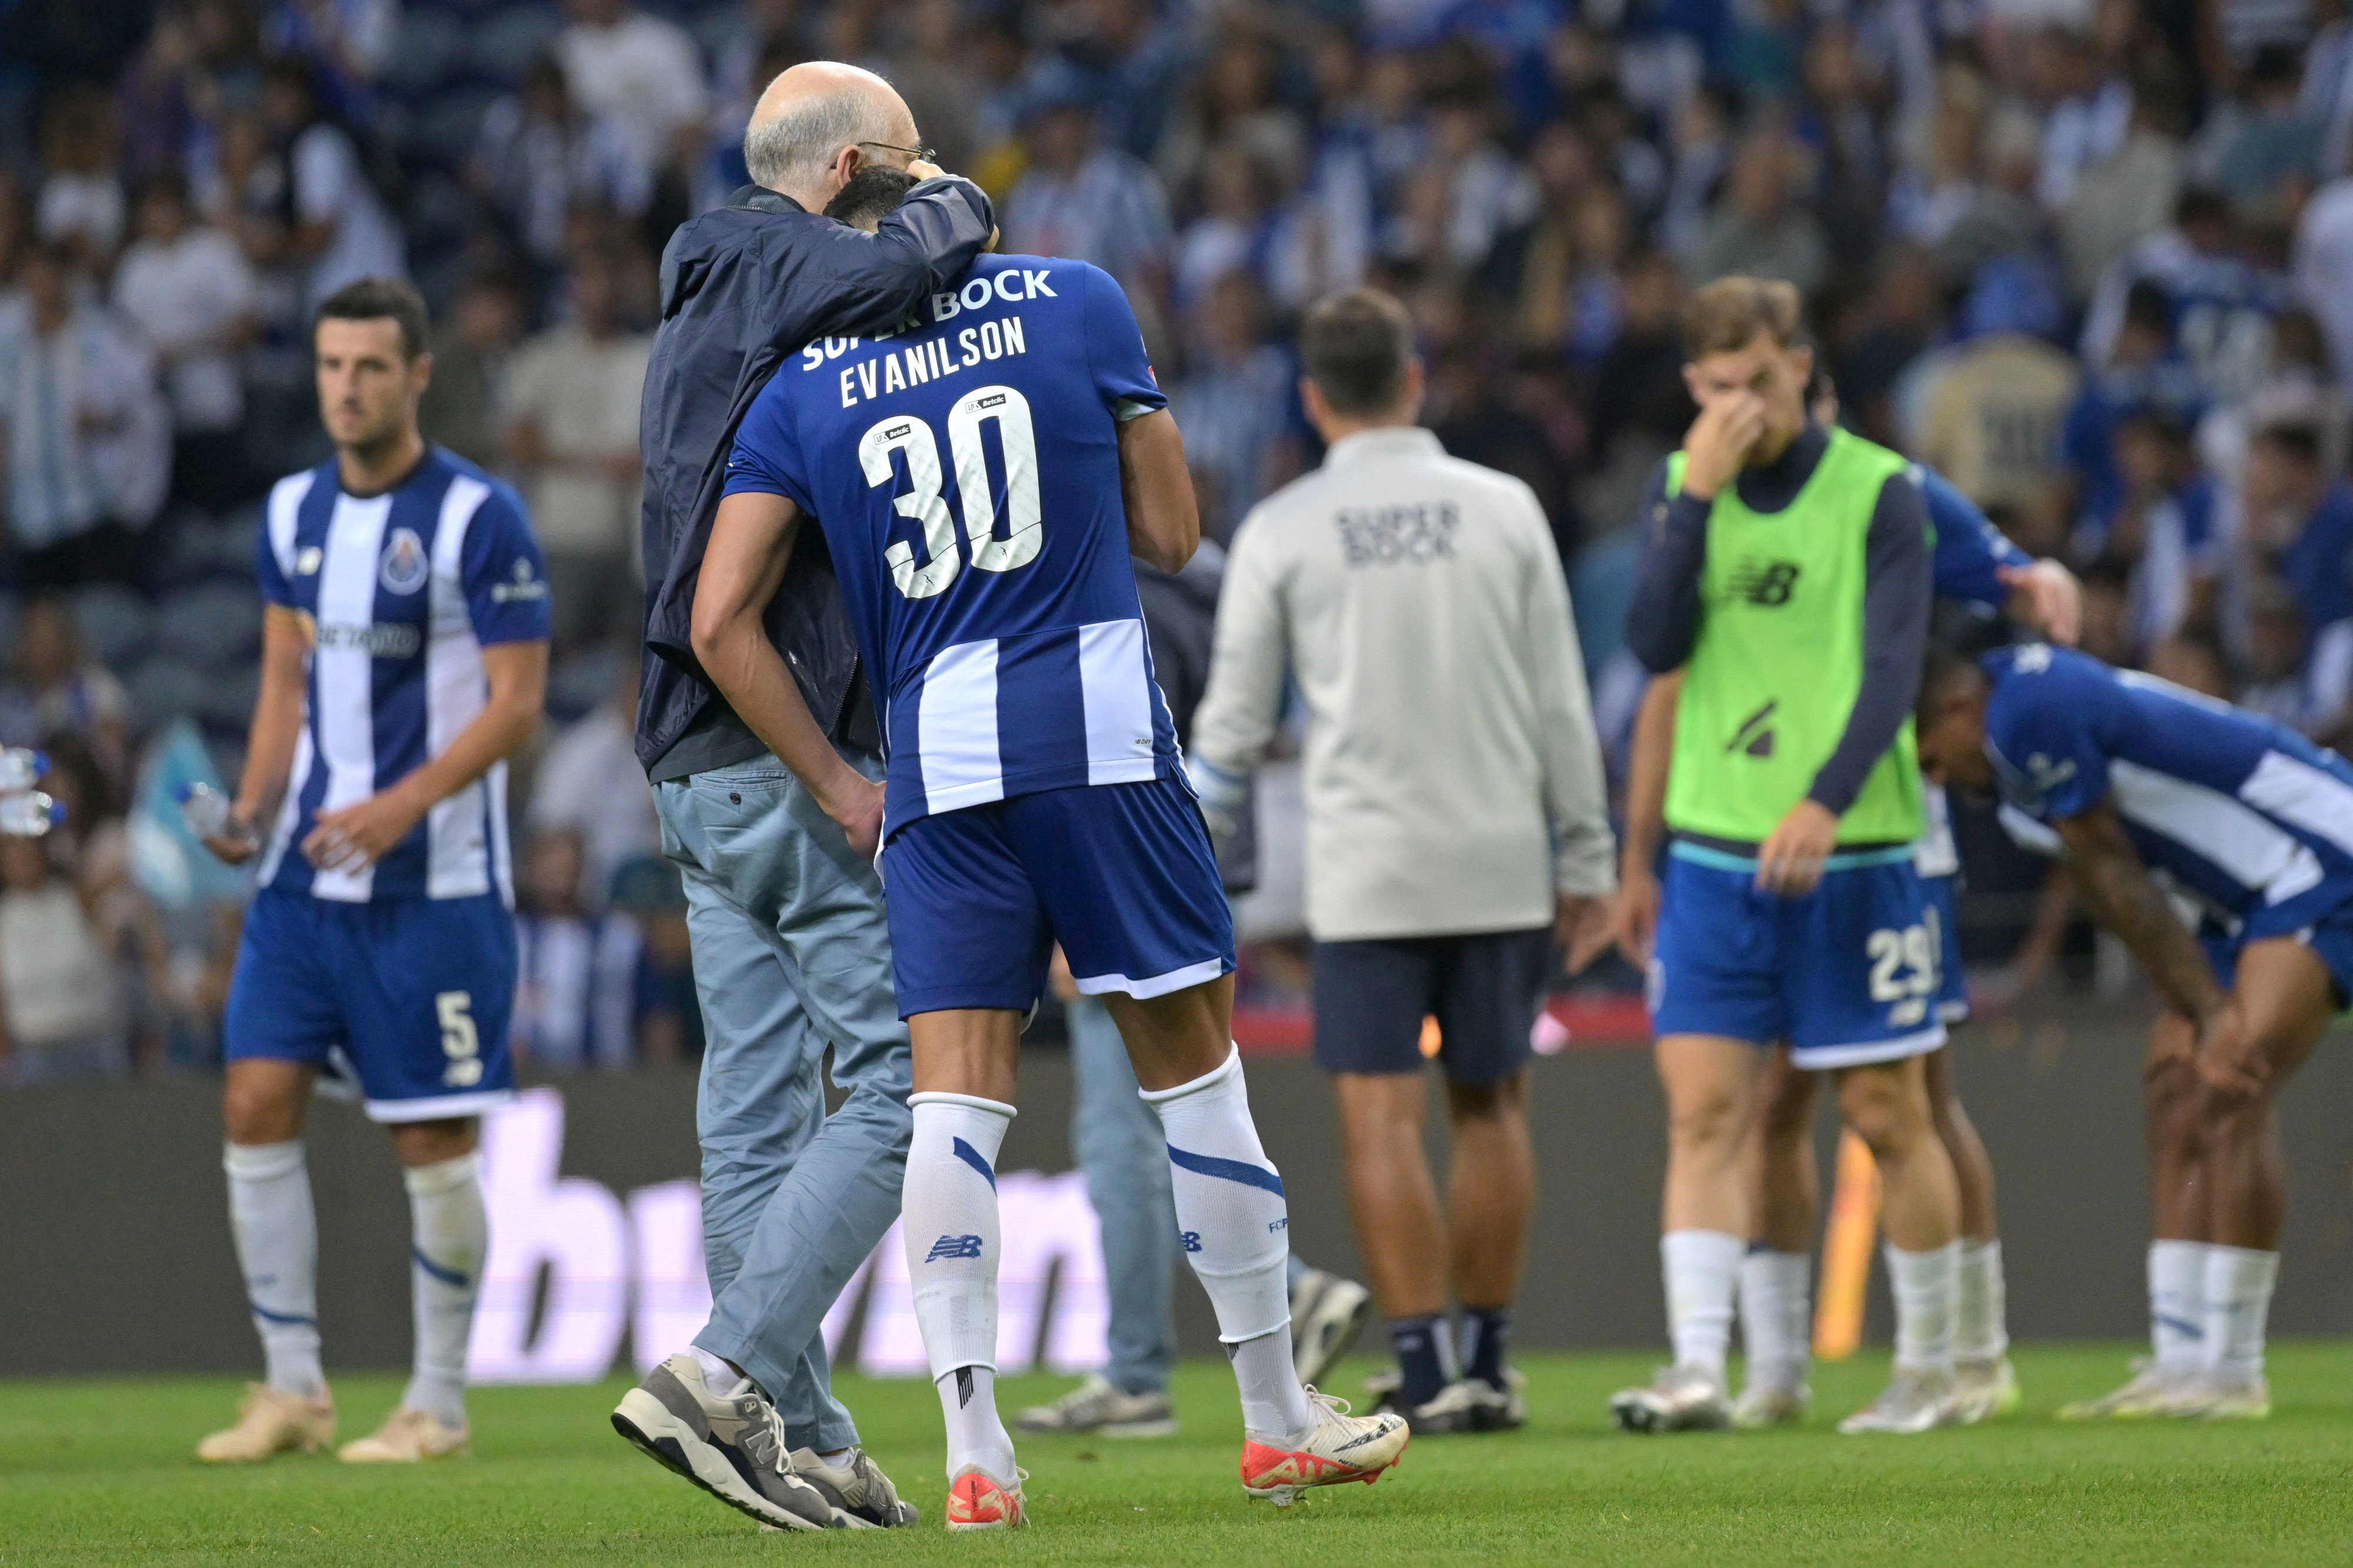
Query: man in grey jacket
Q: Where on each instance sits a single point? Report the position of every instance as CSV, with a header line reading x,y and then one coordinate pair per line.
x,y
791,951
1457,825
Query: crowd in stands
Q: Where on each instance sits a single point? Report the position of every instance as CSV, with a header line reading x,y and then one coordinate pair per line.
x,y
2092,258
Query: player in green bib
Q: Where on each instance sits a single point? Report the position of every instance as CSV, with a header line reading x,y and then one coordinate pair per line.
x,y
1784,587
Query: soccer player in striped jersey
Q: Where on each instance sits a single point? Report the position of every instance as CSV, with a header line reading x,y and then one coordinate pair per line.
x,y
2146,787
404,657
981,475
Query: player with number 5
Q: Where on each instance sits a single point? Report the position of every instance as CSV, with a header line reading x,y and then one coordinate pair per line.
x,y
981,476
404,657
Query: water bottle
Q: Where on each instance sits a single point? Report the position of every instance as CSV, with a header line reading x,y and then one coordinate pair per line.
x,y
21,768
29,814
209,814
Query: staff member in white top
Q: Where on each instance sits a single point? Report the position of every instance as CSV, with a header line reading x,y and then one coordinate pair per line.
x,y
1456,822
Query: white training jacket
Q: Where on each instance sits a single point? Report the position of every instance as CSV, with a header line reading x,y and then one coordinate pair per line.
x,y
1453,776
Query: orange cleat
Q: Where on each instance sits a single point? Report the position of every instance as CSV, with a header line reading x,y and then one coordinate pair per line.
x,y
1339,1447
978,1500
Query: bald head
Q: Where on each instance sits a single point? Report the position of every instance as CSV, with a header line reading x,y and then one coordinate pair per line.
x,y
806,134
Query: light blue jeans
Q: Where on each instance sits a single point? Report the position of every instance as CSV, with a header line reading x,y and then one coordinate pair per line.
x,y
1116,1138
791,954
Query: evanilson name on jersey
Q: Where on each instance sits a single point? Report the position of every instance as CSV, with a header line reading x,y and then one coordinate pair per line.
x,y
895,371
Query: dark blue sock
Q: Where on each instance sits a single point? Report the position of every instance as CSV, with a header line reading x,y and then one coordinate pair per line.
x,y
1421,1348
1486,1330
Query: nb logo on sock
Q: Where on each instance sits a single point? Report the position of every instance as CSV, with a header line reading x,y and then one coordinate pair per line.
x,y
1191,1238
955,1247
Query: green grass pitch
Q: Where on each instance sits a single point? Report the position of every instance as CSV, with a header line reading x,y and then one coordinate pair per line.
x,y
99,1472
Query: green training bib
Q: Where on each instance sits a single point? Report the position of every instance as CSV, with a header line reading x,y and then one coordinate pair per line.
x,y
1779,662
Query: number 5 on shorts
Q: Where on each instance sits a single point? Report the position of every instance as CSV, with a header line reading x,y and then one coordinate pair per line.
x,y
460,1042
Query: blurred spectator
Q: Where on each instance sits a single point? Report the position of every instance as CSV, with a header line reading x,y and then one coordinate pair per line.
x,y
1464,196
2162,531
2324,268
1995,415
926,70
349,40
2141,371
2258,139
539,155
81,189
2127,195
639,74
340,230
588,785
2327,96
2087,108
1232,105
1140,58
2297,513
1701,141
2221,303
2303,681
576,976
2192,663
472,347
189,291
1235,228
571,423
53,689
1084,199
1756,227
1234,403
87,436
59,1002
668,1016
1639,407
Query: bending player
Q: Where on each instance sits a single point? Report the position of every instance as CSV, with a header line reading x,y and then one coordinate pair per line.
x,y
981,477
404,656
1785,574
2133,779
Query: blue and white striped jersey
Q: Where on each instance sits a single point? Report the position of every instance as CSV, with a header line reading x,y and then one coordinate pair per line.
x,y
2245,816
400,592
965,471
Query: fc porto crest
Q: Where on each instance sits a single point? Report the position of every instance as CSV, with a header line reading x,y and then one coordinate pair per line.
x,y
403,567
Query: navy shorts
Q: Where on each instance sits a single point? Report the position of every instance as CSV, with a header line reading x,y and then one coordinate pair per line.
x,y
412,995
1848,975
1942,913
1372,999
1121,874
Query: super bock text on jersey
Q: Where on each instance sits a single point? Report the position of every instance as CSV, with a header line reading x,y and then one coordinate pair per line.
x,y
965,471
401,972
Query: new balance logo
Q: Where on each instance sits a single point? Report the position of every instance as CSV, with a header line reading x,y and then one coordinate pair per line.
x,y
1755,736
953,1246
1191,1238
1764,582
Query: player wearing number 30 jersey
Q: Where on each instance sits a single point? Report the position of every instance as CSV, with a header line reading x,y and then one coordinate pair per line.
x,y
980,476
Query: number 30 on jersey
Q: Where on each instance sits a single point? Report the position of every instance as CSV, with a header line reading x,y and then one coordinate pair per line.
x,y
923,504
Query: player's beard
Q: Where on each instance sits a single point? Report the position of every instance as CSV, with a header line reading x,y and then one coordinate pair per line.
x,y
869,194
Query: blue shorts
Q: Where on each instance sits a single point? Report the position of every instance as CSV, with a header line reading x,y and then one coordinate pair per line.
x,y
1847,974
2330,937
1942,897
1122,874
411,995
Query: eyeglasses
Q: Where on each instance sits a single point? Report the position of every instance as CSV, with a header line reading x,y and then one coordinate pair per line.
x,y
919,154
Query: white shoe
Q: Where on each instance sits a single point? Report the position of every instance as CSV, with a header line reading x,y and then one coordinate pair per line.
x,y
2153,1393
408,1437
1986,1389
2215,1397
730,1445
1764,1404
1914,1400
1338,1448
1466,1405
1679,1399
1101,1407
1327,1313
270,1423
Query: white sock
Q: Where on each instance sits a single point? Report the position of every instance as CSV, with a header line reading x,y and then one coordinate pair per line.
x,y
277,1235
1923,1285
717,1375
1776,1316
450,1232
2177,1304
1701,1269
1235,1226
2238,1281
1980,1304
948,1218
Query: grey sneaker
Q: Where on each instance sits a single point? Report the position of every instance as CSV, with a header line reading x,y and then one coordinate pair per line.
x,y
1914,1400
1101,1407
1327,1313
732,1446
1679,1399
1467,1404
861,1495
